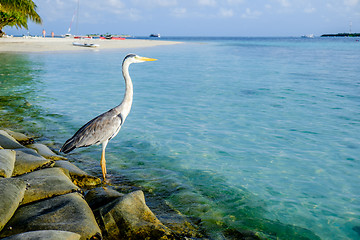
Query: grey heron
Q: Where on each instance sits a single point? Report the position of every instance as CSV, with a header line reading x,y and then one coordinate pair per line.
x,y
105,126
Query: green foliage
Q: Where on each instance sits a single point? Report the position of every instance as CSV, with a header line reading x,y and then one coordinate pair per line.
x,y
12,19
17,12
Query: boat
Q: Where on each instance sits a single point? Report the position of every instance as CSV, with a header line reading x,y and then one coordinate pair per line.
x,y
82,37
111,37
308,36
80,44
155,35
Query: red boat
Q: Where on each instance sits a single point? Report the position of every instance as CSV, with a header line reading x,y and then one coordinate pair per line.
x,y
82,37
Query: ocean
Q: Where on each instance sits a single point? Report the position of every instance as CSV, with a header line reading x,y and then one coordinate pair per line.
x,y
250,133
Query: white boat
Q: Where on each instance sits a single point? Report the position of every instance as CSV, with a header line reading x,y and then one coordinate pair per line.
x,y
80,44
308,36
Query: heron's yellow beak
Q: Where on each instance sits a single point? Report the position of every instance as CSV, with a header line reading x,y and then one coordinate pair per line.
x,y
146,59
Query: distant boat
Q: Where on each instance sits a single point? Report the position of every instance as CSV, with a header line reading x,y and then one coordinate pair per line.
x,y
308,36
155,35
67,35
112,37
79,44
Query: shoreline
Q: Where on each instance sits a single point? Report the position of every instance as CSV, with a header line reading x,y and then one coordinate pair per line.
x,y
42,190
39,44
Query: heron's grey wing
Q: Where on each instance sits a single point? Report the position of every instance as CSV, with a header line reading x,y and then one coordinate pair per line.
x,y
95,131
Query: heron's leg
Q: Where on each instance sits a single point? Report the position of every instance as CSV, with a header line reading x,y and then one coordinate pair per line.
x,y
103,162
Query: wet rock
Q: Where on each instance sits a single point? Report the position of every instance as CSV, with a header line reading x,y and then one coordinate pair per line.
x,y
8,142
78,176
180,225
21,138
27,160
129,217
11,193
232,234
45,235
68,212
98,197
47,183
357,229
7,162
44,151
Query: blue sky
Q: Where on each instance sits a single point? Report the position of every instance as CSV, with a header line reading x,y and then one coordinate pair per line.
x,y
198,17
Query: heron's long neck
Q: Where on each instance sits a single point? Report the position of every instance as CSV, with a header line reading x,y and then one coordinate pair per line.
x,y
126,103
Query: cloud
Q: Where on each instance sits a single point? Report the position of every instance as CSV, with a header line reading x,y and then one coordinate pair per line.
x,y
251,14
351,3
235,2
153,3
284,3
309,10
226,12
210,3
179,12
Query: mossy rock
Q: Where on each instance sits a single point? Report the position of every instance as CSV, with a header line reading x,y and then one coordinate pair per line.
x,y
44,151
78,176
12,193
8,142
68,212
98,197
45,235
28,160
20,137
7,162
129,217
47,183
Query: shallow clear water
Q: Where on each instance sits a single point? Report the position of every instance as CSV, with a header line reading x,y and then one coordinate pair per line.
x,y
243,133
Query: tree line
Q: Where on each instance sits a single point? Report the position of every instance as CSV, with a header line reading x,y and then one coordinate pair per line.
x,y
16,13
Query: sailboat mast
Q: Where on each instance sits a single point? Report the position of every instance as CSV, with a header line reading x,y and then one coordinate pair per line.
x,y
77,18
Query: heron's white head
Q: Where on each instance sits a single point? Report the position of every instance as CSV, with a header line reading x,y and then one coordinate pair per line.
x,y
133,58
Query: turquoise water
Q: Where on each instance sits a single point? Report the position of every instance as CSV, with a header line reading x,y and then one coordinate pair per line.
x,y
242,133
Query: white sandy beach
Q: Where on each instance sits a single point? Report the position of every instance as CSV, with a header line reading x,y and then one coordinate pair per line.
x,y
20,44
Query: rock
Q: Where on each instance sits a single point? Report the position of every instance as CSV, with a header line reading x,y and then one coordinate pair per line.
x,y
7,162
45,235
128,217
7,141
47,183
78,176
27,160
357,229
12,192
98,197
21,138
68,212
44,151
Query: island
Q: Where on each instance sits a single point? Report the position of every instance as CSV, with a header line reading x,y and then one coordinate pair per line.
x,y
342,35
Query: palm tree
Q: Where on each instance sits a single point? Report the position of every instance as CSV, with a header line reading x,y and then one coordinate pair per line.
x,y
17,12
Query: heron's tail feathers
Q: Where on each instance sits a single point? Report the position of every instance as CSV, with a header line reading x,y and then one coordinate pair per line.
x,y
68,146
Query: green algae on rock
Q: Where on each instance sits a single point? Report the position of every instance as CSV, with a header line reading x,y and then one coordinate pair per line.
x,y
78,176
129,217
47,183
28,160
98,197
7,162
68,212
44,151
12,193
45,235
8,142
20,137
